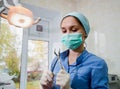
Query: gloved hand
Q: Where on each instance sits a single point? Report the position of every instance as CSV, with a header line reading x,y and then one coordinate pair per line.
x,y
46,79
63,79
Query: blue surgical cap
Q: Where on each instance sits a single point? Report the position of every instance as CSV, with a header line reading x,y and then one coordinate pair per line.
x,y
82,19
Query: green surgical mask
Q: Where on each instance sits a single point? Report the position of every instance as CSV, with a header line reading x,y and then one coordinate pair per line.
x,y
72,41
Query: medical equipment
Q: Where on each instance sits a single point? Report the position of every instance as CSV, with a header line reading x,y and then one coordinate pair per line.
x,y
58,57
114,81
17,15
6,81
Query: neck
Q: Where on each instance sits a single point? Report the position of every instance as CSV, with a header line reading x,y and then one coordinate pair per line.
x,y
73,54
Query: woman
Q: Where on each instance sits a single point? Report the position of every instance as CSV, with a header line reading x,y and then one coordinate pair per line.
x,y
82,70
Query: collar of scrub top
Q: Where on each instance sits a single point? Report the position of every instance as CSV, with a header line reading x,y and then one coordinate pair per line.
x,y
80,59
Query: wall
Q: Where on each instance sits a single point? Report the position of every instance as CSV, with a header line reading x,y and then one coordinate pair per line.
x,y
104,18
62,6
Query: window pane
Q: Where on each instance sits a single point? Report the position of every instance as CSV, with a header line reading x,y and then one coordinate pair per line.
x,y
37,62
10,54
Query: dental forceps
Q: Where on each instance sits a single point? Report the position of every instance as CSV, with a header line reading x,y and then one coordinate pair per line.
x,y
58,57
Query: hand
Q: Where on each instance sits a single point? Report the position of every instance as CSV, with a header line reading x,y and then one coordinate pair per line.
x,y
46,79
63,79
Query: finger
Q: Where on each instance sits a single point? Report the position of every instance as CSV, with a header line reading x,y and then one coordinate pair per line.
x,y
50,74
49,78
49,84
60,77
62,71
43,78
43,82
61,74
46,83
58,83
45,87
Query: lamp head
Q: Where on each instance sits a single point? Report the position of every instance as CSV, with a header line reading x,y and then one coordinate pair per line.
x,y
20,16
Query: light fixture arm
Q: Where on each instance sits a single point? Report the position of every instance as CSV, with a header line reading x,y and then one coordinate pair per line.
x,y
16,3
6,4
2,9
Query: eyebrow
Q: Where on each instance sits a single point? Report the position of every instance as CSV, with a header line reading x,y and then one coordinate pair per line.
x,y
72,26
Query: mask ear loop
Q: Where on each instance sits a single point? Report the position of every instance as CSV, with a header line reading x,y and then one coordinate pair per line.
x,y
85,44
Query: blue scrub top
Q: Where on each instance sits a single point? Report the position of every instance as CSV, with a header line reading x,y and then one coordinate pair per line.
x,y
88,72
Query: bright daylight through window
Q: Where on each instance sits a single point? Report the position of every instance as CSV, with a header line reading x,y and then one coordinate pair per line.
x,y
10,57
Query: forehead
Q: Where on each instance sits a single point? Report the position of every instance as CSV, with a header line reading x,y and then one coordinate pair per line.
x,y
70,20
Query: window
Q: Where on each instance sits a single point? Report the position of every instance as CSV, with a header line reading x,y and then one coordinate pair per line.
x,y
37,62
10,51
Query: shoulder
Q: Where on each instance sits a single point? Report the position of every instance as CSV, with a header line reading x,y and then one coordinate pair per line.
x,y
95,60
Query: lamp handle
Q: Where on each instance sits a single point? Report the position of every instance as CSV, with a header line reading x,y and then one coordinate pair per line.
x,y
37,20
3,15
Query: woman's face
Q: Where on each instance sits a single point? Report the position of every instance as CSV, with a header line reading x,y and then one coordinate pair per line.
x,y
71,25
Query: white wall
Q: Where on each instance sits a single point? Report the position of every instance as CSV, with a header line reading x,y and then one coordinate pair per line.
x,y
62,6
104,18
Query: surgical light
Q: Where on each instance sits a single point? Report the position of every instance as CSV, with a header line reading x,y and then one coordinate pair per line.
x,y
19,16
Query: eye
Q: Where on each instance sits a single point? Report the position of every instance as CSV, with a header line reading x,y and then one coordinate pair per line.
x,y
64,31
74,30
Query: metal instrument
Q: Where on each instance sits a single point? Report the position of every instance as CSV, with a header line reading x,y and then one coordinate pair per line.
x,y
58,57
